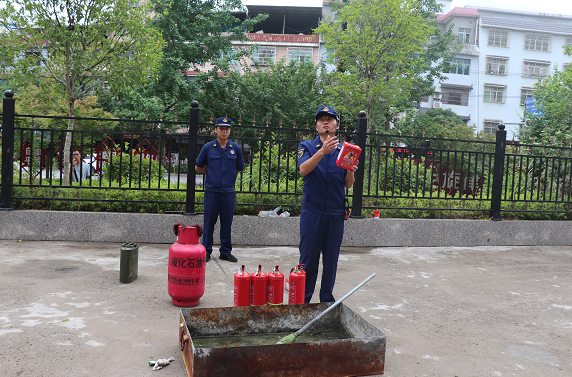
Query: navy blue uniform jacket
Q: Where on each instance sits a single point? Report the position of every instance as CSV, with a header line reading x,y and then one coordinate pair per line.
x,y
222,165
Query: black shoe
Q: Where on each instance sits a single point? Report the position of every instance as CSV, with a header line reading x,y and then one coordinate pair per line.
x,y
228,257
208,257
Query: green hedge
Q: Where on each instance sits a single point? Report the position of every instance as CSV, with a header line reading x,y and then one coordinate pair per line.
x,y
53,198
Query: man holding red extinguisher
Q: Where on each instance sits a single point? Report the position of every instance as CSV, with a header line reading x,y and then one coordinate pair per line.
x,y
323,203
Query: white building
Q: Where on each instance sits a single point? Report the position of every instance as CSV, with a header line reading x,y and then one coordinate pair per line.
x,y
503,54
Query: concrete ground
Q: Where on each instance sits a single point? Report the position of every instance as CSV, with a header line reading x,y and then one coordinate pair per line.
x,y
482,311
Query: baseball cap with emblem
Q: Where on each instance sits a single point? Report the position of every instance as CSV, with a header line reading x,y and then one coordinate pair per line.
x,y
223,121
326,110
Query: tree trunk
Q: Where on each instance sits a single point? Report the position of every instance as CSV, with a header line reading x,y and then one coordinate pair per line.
x,y
68,141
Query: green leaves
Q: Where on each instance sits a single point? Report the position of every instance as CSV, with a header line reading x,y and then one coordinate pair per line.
x,y
79,44
554,97
383,51
437,123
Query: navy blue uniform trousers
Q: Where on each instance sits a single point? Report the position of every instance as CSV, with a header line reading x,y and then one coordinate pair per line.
x,y
218,204
320,234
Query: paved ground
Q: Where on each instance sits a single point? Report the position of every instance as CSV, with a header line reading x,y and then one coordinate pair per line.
x,y
487,311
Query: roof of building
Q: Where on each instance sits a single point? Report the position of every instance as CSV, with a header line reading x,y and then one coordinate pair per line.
x,y
458,12
527,24
286,38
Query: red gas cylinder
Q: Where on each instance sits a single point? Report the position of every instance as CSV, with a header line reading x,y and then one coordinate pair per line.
x,y
187,262
242,281
259,287
275,287
297,285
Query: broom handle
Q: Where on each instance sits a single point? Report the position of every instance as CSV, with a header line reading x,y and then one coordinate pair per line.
x,y
334,305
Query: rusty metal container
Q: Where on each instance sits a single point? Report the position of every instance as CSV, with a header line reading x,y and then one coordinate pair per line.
x,y
241,341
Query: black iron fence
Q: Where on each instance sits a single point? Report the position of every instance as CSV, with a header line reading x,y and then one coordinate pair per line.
x,y
129,165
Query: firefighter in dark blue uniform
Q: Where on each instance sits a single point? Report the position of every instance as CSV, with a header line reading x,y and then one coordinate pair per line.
x,y
220,160
323,204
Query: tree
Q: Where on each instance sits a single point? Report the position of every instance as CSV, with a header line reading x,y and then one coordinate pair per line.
x,y
387,53
553,96
80,45
196,32
438,123
283,94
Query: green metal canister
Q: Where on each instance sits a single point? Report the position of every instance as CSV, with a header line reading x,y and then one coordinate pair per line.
x,y
128,262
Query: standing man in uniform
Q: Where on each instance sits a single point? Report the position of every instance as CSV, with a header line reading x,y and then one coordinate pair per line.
x,y
323,203
220,161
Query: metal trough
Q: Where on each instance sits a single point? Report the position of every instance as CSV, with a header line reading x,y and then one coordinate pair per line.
x,y
241,341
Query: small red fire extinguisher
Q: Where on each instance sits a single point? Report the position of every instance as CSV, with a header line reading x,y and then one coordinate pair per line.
x,y
259,287
242,281
297,285
275,287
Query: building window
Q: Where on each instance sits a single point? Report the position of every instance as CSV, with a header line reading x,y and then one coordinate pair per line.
x,y
264,55
464,35
491,126
494,93
458,66
535,69
455,96
525,93
498,38
496,65
537,42
300,54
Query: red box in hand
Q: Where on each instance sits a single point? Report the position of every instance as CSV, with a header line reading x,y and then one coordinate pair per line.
x,y
348,156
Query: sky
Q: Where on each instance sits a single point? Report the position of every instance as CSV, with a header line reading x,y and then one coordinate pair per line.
x,y
563,7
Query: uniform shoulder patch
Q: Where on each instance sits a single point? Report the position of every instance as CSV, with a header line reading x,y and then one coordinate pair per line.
x,y
300,152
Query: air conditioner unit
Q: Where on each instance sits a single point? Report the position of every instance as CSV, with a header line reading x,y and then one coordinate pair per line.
x,y
436,105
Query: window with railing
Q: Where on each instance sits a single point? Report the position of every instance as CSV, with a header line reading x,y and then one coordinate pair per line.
x,y
264,55
496,65
300,54
494,93
525,93
458,66
537,42
535,68
464,35
455,96
491,126
498,38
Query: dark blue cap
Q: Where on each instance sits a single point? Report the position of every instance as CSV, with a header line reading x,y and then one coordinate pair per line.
x,y
326,110
223,121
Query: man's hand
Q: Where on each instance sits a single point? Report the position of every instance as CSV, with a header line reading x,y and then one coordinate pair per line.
x,y
330,145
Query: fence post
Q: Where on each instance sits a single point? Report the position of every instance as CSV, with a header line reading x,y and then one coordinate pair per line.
x,y
8,112
498,172
192,156
359,174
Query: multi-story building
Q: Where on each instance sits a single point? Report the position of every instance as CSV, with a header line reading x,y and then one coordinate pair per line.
x,y
286,34
504,53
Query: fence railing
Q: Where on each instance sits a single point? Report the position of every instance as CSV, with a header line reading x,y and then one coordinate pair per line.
x,y
150,165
